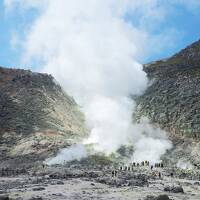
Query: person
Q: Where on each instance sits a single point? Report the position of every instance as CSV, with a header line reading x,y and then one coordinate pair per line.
x,y
23,170
113,173
6,171
133,164
151,167
172,174
138,164
142,163
2,172
159,174
161,165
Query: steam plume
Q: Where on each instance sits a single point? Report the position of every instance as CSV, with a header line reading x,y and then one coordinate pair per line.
x,y
75,152
150,142
184,164
92,51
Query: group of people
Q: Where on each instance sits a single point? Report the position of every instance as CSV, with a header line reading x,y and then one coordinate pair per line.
x,y
142,164
133,165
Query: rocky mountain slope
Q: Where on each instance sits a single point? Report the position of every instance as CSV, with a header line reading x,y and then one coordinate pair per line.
x,y
36,116
172,100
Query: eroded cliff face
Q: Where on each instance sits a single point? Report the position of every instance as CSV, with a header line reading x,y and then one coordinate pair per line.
x,y
36,116
172,100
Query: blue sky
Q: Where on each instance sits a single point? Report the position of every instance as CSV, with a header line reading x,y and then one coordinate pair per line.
x,y
187,23
9,25
184,22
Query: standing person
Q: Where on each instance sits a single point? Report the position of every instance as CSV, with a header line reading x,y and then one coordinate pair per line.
x,y
115,173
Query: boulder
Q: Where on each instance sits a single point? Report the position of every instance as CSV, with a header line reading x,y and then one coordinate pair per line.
x,y
160,197
38,189
60,183
4,197
174,189
36,198
163,197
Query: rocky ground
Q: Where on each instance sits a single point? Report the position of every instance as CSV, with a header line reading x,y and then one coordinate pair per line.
x,y
79,182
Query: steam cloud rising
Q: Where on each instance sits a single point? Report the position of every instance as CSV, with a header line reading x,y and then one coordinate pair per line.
x,y
92,50
75,152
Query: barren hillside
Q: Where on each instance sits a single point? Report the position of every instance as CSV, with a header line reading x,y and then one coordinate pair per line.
x,y
36,116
